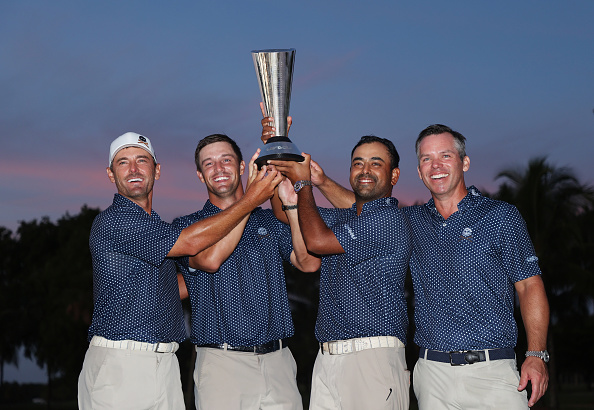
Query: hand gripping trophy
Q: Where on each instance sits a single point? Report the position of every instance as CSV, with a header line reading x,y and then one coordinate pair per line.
x,y
275,75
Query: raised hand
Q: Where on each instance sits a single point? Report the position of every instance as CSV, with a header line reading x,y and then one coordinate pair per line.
x,y
286,193
268,128
318,177
262,183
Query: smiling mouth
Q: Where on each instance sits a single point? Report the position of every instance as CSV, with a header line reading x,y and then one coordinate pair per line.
x,y
439,176
135,180
219,179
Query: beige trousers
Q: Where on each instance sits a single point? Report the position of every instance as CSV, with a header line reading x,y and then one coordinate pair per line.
x,y
365,380
240,380
486,385
122,379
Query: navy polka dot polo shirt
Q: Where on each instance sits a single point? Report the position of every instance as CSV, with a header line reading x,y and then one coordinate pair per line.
x,y
245,302
464,269
134,284
362,290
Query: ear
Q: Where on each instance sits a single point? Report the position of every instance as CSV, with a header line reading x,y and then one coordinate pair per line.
x,y
241,167
465,163
200,176
157,171
110,175
395,175
419,172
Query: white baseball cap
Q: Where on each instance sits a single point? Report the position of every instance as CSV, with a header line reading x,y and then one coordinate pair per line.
x,y
130,139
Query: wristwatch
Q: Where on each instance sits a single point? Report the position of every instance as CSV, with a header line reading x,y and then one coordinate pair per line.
x,y
543,354
300,184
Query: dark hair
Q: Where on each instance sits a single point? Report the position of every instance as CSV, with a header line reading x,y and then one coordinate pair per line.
x,y
436,129
211,139
368,139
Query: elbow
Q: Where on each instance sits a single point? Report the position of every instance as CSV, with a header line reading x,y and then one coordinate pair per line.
x,y
210,269
208,266
311,266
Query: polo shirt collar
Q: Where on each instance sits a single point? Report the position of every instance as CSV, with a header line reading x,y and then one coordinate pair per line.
x,y
120,200
469,200
389,201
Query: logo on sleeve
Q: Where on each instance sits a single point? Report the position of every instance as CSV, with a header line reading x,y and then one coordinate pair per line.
x,y
532,258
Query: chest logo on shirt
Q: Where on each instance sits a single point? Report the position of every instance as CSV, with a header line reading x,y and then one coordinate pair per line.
x,y
262,232
350,231
466,235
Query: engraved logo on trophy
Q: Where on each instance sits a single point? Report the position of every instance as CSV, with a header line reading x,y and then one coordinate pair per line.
x,y
275,76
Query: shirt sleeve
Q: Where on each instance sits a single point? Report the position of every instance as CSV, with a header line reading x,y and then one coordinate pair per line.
x,y
518,255
146,238
182,263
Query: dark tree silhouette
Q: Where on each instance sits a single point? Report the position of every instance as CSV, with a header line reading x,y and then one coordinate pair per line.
x,y
55,266
554,204
10,302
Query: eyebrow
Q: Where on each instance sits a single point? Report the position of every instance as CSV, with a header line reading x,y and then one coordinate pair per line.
x,y
439,152
371,159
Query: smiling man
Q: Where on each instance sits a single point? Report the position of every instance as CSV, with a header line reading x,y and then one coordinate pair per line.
x,y
241,318
137,319
469,254
362,318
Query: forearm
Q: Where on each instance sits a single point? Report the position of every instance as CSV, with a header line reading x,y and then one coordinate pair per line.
x,y
211,259
535,314
206,232
181,284
318,238
300,257
339,196
534,308
277,205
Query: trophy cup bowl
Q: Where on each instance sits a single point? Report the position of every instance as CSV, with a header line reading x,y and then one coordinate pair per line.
x,y
275,76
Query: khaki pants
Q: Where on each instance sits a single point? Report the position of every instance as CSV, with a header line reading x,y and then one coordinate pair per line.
x,y
240,380
129,379
484,385
365,380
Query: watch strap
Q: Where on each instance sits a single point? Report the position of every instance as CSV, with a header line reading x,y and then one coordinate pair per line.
x,y
300,184
541,354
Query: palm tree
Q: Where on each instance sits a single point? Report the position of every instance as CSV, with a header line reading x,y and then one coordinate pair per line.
x,y
555,205
9,303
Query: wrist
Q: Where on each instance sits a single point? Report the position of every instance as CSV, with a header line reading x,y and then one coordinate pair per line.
x,y
541,354
289,207
299,185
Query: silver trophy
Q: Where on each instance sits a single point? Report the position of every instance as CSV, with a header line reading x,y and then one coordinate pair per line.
x,y
275,75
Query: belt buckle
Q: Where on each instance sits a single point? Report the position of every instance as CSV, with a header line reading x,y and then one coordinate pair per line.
x,y
470,357
165,348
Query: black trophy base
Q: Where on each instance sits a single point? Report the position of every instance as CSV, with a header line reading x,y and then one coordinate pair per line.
x,y
281,157
279,148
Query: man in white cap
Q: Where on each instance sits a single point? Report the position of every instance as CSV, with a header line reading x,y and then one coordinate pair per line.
x,y
138,320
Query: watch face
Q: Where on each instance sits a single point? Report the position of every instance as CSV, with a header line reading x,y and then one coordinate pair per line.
x,y
300,184
545,356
